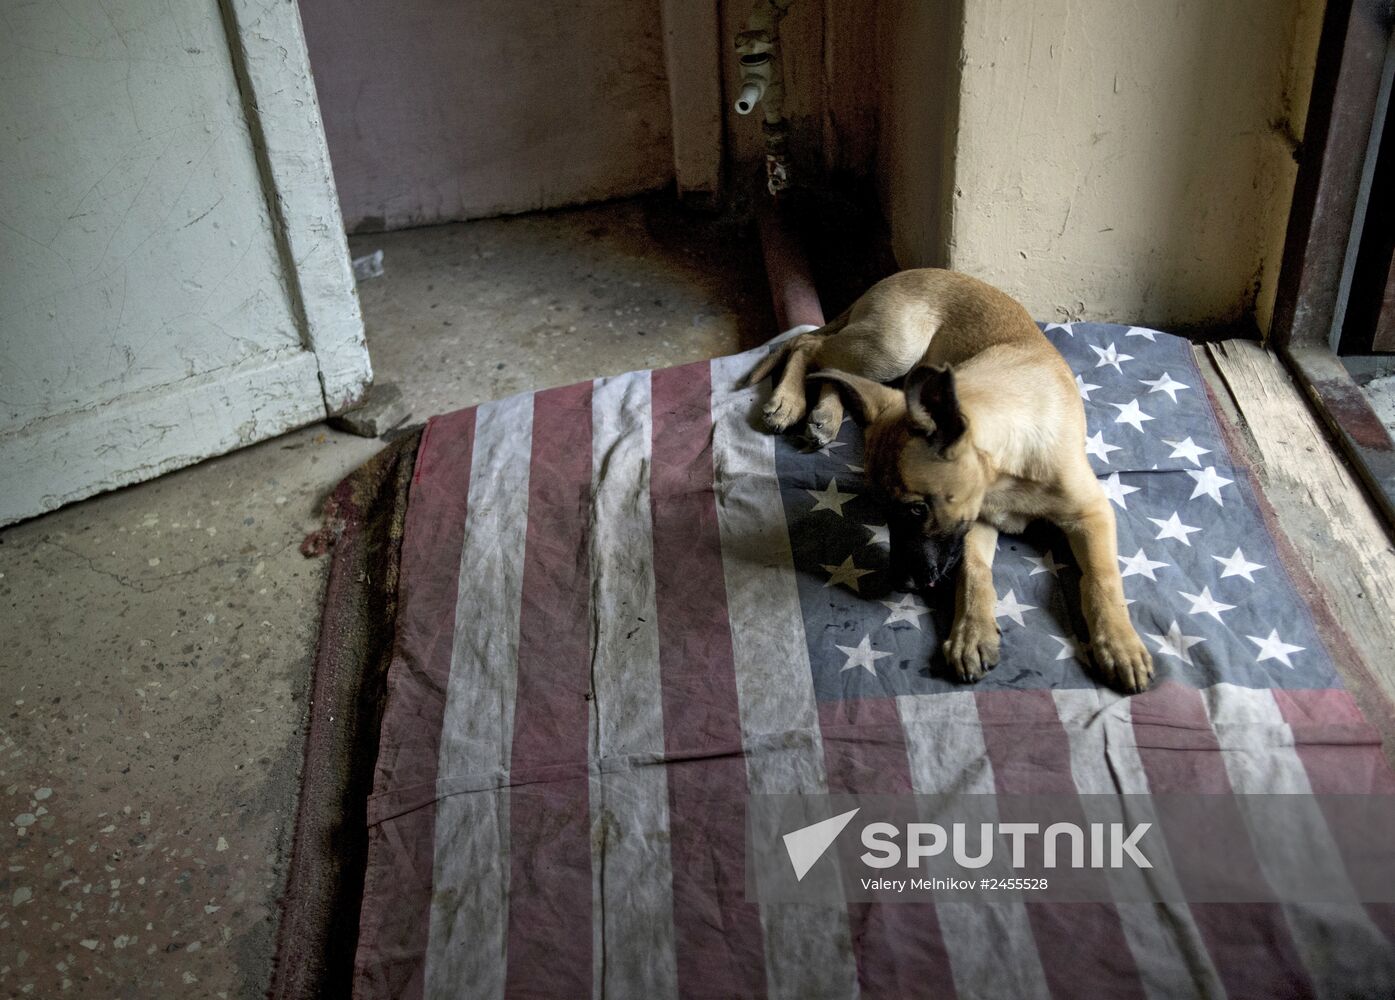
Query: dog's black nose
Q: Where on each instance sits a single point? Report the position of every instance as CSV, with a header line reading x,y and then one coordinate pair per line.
x,y
921,562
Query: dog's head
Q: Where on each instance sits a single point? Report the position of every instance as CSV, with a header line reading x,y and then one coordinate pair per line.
x,y
919,452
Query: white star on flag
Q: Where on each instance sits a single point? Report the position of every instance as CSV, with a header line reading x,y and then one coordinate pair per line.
x,y
862,655
1139,564
1071,648
1187,449
1138,331
1085,387
1274,648
1110,356
1176,644
1165,384
845,572
1174,528
1044,564
907,609
1068,327
1096,445
1116,490
829,498
881,534
1008,606
1204,604
1237,565
1208,483
1130,414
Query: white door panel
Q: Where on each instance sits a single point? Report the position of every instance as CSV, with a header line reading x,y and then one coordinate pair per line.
x,y
174,280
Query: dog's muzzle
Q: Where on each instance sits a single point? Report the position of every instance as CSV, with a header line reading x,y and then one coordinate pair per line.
x,y
919,561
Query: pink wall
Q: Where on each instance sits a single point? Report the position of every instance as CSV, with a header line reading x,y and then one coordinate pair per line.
x,y
438,111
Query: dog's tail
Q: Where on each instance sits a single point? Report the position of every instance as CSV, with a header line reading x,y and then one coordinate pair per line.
x,y
777,357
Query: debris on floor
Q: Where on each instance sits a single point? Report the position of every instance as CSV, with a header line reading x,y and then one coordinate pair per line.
x,y
368,266
382,410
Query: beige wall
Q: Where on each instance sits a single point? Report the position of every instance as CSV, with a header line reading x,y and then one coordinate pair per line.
x,y
436,112
1110,160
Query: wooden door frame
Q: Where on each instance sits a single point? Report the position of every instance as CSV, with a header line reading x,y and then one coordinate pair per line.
x,y
1320,245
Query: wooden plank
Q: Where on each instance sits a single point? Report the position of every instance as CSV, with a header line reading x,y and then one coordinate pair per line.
x,y
692,56
1336,535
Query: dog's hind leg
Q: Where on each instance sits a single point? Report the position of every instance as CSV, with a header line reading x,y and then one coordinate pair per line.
x,y
788,403
773,360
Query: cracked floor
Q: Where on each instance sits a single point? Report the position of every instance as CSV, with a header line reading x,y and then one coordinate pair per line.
x,y
156,642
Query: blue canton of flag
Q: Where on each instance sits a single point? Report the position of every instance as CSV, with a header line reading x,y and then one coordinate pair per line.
x,y
1206,588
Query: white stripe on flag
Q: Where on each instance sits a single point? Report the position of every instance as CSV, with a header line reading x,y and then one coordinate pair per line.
x,y
1166,944
1344,952
469,906
631,866
808,949
944,741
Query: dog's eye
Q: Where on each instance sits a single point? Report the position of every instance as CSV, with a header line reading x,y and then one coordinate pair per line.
x,y
919,510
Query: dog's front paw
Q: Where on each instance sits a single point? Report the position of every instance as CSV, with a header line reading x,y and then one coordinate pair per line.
x,y
784,410
1122,659
972,647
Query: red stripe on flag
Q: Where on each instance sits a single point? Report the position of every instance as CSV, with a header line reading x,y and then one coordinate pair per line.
x,y
1341,754
900,951
396,919
1339,749
1083,949
1250,943
550,904
864,747
719,940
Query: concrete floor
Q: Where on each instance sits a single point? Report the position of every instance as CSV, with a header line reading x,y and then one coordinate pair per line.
x,y
156,642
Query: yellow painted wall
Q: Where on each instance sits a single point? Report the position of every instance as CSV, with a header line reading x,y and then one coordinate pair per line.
x,y
1109,159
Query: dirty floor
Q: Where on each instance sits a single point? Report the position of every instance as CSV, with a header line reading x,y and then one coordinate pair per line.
x,y
156,642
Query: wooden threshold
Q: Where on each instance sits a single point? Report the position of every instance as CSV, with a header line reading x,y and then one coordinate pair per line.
x,y
1320,513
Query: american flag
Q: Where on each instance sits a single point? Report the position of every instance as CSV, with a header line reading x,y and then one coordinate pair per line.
x,y
626,609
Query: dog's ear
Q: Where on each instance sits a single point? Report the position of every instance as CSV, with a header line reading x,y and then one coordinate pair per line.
x,y
869,401
933,405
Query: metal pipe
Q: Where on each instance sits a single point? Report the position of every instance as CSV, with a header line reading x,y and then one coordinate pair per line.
x,y
763,82
792,290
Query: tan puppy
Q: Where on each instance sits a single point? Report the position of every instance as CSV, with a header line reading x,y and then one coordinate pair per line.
x,y
987,435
